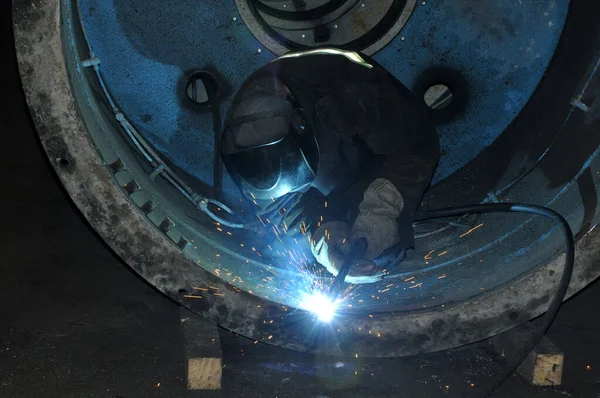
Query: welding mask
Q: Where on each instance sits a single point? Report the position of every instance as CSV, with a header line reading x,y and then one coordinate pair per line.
x,y
267,146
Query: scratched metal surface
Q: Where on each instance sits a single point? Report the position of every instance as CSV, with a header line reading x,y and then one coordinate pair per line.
x,y
493,52
67,110
499,53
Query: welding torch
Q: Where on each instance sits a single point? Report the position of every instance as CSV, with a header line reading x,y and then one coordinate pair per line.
x,y
358,250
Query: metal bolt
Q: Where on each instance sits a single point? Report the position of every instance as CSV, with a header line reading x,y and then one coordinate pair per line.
x,y
580,105
94,61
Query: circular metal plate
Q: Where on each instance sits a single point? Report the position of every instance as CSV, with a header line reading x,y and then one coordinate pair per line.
x,y
357,25
84,148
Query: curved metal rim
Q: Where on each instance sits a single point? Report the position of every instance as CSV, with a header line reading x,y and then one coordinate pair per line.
x,y
123,227
277,48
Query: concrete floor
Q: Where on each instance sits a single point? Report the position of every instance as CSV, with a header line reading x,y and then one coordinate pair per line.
x,y
76,322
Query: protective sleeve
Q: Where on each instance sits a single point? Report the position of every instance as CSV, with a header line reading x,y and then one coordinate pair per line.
x,y
377,220
403,133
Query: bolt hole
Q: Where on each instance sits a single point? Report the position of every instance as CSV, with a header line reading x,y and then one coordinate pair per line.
x,y
202,88
63,162
438,96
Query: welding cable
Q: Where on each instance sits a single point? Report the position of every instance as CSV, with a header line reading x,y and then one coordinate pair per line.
x,y
556,302
214,94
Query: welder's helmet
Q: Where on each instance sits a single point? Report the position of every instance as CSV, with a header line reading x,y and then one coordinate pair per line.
x,y
267,146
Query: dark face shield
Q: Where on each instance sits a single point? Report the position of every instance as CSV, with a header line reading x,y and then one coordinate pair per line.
x,y
267,146
273,170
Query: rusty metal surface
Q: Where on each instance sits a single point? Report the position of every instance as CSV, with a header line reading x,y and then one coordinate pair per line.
x,y
158,259
143,47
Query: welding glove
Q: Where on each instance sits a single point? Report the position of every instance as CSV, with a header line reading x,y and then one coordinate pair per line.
x,y
331,244
378,218
310,212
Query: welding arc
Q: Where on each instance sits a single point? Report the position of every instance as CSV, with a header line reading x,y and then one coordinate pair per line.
x,y
564,281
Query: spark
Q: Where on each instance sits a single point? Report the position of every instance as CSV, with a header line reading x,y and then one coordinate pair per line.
x,y
471,230
442,253
417,285
192,296
442,276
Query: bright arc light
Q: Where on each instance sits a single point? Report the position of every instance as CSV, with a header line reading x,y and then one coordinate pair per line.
x,y
320,305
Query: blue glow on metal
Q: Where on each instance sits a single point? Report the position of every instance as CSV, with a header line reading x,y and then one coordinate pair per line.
x,y
500,48
144,81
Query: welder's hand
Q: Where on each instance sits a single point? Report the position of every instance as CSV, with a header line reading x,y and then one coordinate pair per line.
x,y
306,213
331,245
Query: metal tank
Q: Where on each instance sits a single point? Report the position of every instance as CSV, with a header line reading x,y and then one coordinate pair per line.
x,y
128,97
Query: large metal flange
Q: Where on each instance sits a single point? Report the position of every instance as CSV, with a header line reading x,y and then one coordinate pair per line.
x,y
358,25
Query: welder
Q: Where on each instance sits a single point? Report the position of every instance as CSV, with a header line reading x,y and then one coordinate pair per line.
x,y
329,144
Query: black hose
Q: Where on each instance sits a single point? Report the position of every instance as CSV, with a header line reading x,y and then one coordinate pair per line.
x,y
218,163
564,281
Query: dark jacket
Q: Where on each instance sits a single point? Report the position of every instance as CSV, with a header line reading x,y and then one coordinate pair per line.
x,y
368,125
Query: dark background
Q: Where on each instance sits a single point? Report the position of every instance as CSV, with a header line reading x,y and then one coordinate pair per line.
x,y
76,322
